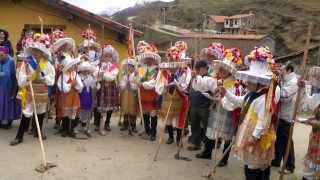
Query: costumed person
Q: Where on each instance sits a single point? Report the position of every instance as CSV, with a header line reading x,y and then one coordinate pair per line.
x,y
61,46
129,95
149,61
288,91
90,49
70,85
215,51
9,105
203,88
255,139
223,120
311,102
36,69
86,71
108,93
176,89
4,41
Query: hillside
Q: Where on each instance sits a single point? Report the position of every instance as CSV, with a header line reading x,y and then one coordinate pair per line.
x,y
285,20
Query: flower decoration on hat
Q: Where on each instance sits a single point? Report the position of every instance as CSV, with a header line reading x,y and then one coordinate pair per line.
x,y
144,47
89,34
57,34
261,54
233,55
43,39
216,49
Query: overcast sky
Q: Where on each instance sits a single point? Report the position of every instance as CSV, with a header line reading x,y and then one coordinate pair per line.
x,y
98,6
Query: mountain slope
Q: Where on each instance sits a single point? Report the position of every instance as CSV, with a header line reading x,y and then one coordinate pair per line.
x,y
285,20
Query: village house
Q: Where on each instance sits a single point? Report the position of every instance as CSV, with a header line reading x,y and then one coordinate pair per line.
x,y
21,15
236,24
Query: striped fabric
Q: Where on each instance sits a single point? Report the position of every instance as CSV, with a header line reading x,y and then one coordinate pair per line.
x,y
40,93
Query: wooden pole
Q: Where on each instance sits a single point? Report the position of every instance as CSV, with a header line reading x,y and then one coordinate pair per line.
x,y
44,159
165,122
297,103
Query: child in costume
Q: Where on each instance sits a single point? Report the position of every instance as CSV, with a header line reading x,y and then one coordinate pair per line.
x,y
70,85
128,94
222,120
311,169
175,92
255,138
86,71
36,69
149,60
108,89
61,45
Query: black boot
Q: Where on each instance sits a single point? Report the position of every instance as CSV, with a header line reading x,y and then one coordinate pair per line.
x,y
207,151
170,133
178,138
224,161
97,117
125,123
73,124
65,122
153,130
35,131
133,122
107,123
24,124
146,120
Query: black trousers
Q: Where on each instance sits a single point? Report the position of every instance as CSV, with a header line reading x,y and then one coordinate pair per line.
x,y
256,174
24,124
97,117
199,120
150,124
281,144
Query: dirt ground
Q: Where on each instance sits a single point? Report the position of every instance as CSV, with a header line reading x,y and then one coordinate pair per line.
x,y
116,156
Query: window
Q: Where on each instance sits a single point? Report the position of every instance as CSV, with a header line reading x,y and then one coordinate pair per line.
x,y
47,28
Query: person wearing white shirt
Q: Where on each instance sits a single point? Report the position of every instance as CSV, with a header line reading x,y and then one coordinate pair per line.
x,y
288,91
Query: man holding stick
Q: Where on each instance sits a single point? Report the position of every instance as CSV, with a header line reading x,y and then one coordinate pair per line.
x,y
35,68
288,91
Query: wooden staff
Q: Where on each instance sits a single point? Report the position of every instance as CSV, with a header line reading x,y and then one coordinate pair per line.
x,y
165,122
297,103
219,124
45,165
139,92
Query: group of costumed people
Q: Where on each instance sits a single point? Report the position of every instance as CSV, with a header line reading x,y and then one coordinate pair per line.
x,y
224,98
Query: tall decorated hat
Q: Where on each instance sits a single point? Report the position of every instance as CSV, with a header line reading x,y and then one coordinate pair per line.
x,y
176,56
68,61
231,62
147,51
60,42
89,39
40,42
314,76
214,49
260,62
108,49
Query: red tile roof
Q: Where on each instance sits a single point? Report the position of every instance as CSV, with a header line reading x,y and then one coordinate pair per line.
x,y
108,22
218,19
240,16
225,36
